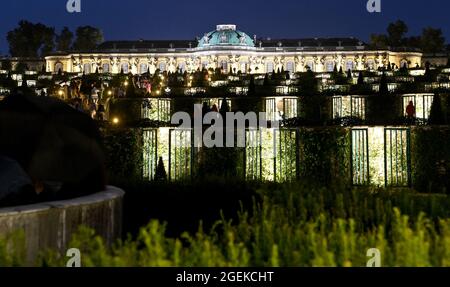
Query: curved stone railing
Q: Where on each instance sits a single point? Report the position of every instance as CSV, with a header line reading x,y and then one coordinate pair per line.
x,y
50,225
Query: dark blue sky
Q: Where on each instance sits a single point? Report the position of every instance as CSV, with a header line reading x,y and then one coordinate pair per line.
x,y
186,19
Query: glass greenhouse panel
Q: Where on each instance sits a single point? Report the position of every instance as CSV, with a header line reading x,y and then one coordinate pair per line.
x,y
180,154
397,157
285,148
359,107
421,102
253,157
150,153
360,157
290,108
164,110
149,109
267,154
271,109
427,102
406,100
337,108
376,156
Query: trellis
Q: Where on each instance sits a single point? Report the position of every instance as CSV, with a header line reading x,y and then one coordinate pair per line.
x,y
150,153
360,157
181,154
397,157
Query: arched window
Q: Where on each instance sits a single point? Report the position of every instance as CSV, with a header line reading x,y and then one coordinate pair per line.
x,y
182,67
290,67
330,66
162,67
403,63
205,65
59,67
87,68
349,65
105,68
243,67
310,65
269,67
125,68
143,68
224,66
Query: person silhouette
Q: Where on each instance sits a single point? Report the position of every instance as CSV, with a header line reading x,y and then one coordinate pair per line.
x,y
411,110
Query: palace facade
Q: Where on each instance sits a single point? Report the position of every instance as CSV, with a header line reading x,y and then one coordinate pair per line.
x,y
231,50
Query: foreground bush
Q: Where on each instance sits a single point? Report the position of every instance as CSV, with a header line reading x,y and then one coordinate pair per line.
x,y
293,226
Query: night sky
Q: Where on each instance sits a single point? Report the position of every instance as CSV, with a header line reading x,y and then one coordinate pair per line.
x,y
186,19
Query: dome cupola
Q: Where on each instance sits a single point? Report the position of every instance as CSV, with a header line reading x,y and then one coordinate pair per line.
x,y
226,36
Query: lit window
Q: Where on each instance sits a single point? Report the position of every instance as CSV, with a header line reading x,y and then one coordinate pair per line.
x,y
87,68
224,65
269,68
59,67
182,67
290,67
162,67
144,68
330,66
349,66
243,67
125,68
105,68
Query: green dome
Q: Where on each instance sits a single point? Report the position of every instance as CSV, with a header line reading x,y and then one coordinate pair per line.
x,y
225,35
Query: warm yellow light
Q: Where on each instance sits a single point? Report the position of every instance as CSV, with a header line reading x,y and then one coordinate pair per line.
x,y
158,92
116,121
126,83
109,93
60,92
191,78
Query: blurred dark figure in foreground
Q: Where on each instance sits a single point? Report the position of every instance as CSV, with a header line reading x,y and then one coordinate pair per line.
x,y
48,151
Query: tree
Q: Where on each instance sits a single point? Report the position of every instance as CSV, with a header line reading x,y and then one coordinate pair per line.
x,y
436,113
224,108
21,67
130,89
266,80
349,75
396,32
64,40
31,40
379,41
6,65
87,38
432,40
360,79
251,86
383,85
160,173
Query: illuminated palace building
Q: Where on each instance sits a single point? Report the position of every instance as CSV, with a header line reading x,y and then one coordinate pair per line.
x,y
231,50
